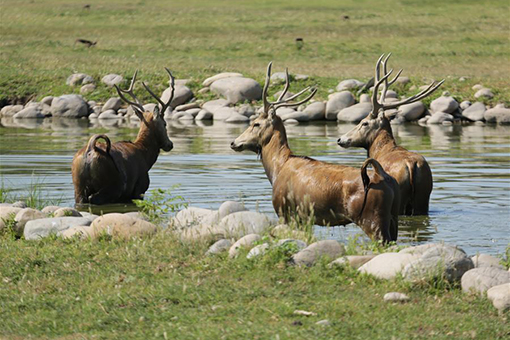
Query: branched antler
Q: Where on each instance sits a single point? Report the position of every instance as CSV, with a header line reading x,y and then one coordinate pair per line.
x,y
164,106
136,104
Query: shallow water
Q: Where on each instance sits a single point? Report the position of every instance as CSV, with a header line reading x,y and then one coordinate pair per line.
x,y
470,204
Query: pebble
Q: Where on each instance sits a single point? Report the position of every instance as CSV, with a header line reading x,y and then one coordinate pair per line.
x,y
396,297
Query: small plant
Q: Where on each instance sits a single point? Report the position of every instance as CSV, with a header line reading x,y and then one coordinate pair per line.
x,y
9,230
505,258
159,203
5,195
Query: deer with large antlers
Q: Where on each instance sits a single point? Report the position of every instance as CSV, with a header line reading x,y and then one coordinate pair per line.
x,y
119,172
374,133
332,194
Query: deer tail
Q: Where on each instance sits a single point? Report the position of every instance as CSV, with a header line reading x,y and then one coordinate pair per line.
x,y
379,171
92,144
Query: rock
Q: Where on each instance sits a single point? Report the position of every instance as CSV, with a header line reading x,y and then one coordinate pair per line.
x,y
500,296
219,247
498,114
349,84
50,209
257,251
182,95
465,104
244,242
311,254
10,110
122,226
365,98
300,77
243,223
475,112
315,110
396,297
412,112
204,115
439,261
7,213
387,265
337,102
229,207
219,76
214,104
40,228
193,112
186,116
355,113
81,232
25,215
32,111
419,250
297,244
279,77
439,118
204,90
70,106
75,79
88,88
246,110
224,113
484,260
237,118
112,79
87,80
19,204
112,104
47,100
390,94
62,212
487,93
287,95
237,89
403,80
184,107
479,280
444,104
190,216
477,87
291,121
354,261
324,322
296,115
108,114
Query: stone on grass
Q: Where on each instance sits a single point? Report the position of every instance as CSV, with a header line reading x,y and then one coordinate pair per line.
x,y
500,296
204,115
365,98
121,226
390,94
81,232
75,79
50,209
25,215
7,213
315,110
479,280
257,251
113,103
355,261
498,114
10,110
412,112
485,93
477,87
223,75
182,94
484,260
311,254
87,88
69,106
245,242
387,265
419,250
229,207
439,118
355,113
30,112
190,216
324,322
37,229
475,112
349,84
219,247
246,110
403,80
444,104
211,105
441,261
465,104
237,89
243,223
112,79
19,204
337,102
396,297
287,95
61,212
297,244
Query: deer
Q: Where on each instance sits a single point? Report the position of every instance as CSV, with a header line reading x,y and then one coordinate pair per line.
x,y
374,134
118,172
85,42
331,194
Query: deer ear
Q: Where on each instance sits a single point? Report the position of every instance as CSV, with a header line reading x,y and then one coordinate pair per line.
x,y
138,112
381,115
272,113
156,111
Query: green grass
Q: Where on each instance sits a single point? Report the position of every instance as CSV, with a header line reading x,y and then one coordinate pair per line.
x,y
160,288
198,38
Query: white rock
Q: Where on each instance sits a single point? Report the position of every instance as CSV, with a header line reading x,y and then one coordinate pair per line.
x,y
298,244
439,118
287,95
87,88
40,228
257,251
223,75
484,260
387,265
365,98
204,115
412,112
10,110
30,112
82,232
479,280
25,215
237,118
355,113
243,223
75,79
444,104
315,110
349,84
500,296
108,114
396,297
237,89
193,112
291,121
498,114
487,93
403,80
219,247
70,106
190,216
224,113
47,100
182,95
245,242
311,254
354,261
229,207
113,103
337,102
475,112
465,104
477,87
112,79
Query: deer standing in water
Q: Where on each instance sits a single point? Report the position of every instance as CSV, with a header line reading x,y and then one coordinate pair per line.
x,y
374,133
332,194
119,172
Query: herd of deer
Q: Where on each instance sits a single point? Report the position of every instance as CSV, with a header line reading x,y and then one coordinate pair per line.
x,y
333,194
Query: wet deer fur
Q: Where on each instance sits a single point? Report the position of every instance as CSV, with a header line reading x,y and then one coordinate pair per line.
x,y
374,133
333,194
119,172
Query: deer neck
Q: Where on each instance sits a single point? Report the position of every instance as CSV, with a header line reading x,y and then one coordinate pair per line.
x,y
148,145
275,153
382,144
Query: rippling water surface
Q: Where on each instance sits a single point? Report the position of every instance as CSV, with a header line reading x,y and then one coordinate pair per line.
x,y
470,204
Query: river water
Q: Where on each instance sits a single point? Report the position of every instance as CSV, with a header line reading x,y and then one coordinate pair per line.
x,y
470,203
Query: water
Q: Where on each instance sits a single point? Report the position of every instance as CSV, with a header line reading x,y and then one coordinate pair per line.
x,y
470,203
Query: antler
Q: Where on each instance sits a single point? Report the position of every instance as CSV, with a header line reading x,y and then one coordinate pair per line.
x,y
379,104
280,102
137,104
164,106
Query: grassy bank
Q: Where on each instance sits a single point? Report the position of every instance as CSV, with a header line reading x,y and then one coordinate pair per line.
x,y
197,38
160,288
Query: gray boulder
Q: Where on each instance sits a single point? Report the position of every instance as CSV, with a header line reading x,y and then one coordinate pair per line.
x,y
204,115
112,104
337,102
246,110
87,88
257,251
243,223
311,254
297,244
411,112
439,118
355,113
465,104
32,111
47,100
237,89
387,265
498,114
112,79
237,118
229,207
479,280
246,242
355,261
395,297
25,215
500,296
190,216
223,75
403,80
40,228
10,110
182,95
365,98
484,260
315,110
485,93
69,106
219,247
76,79
444,104
349,84
299,116
108,114
475,112
224,113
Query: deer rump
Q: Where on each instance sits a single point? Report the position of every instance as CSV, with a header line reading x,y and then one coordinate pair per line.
x,y
338,195
99,174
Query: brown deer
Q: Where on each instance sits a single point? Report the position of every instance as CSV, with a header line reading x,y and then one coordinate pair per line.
x,y
85,42
119,172
374,133
332,194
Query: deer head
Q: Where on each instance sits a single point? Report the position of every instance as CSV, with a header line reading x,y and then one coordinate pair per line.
x,y
363,134
261,130
152,121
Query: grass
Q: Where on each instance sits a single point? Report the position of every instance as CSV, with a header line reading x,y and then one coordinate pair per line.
x,y
198,38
